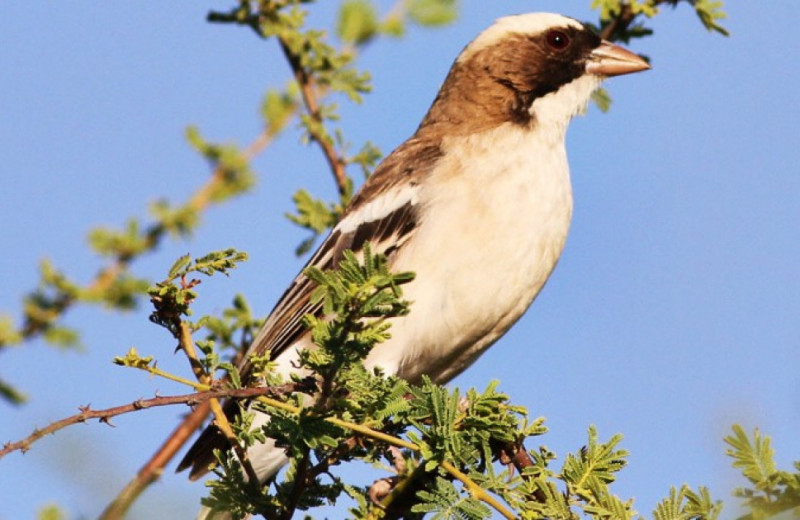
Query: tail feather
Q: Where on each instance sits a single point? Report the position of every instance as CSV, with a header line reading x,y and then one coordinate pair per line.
x,y
201,455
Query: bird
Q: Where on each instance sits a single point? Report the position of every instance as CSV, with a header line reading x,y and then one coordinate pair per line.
x,y
477,203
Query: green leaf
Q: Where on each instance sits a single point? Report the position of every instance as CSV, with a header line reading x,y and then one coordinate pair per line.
x,y
602,99
11,394
756,459
231,167
126,243
62,337
50,512
179,221
133,359
9,333
608,8
122,294
709,11
179,264
445,502
685,504
433,13
194,138
316,215
647,7
358,21
278,107
312,213
393,26
594,466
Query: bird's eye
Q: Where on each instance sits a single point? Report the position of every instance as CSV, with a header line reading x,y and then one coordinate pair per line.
x,y
557,40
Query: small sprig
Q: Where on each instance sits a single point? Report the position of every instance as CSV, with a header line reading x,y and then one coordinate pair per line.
x,y
87,413
684,503
316,215
172,300
771,491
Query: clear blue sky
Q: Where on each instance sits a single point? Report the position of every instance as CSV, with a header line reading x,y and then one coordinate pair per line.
x,y
672,314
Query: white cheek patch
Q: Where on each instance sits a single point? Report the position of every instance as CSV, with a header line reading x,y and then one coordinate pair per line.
x,y
560,106
380,207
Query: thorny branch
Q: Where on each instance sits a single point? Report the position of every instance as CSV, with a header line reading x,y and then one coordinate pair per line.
x,y
152,470
104,416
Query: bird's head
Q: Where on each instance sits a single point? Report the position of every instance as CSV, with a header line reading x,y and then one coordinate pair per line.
x,y
528,69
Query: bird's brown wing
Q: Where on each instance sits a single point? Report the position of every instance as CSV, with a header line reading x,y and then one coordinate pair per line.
x,y
407,165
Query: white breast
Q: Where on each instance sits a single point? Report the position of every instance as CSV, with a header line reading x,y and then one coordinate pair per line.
x,y
496,213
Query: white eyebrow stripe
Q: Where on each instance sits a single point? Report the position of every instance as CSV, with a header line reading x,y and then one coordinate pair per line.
x,y
526,24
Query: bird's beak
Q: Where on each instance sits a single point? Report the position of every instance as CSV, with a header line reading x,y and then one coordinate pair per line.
x,y
612,60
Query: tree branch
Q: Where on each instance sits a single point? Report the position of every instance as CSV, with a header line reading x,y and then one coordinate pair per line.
x,y
220,419
476,491
307,91
514,453
105,415
620,23
152,470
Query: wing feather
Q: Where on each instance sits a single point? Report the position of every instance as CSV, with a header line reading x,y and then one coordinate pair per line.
x,y
385,213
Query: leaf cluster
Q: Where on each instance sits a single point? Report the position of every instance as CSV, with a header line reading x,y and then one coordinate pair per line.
x,y
358,300
172,297
448,452
709,12
358,20
450,442
771,491
232,331
324,71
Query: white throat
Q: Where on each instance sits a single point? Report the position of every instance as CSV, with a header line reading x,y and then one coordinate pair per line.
x,y
558,107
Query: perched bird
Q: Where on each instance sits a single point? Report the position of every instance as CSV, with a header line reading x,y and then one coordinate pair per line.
x,y
477,203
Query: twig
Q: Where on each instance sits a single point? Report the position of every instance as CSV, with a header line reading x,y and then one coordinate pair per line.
x,y
306,474
515,453
396,504
620,23
393,506
275,403
202,197
221,420
306,84
476,491
154,467
105,416
300,482
205,393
